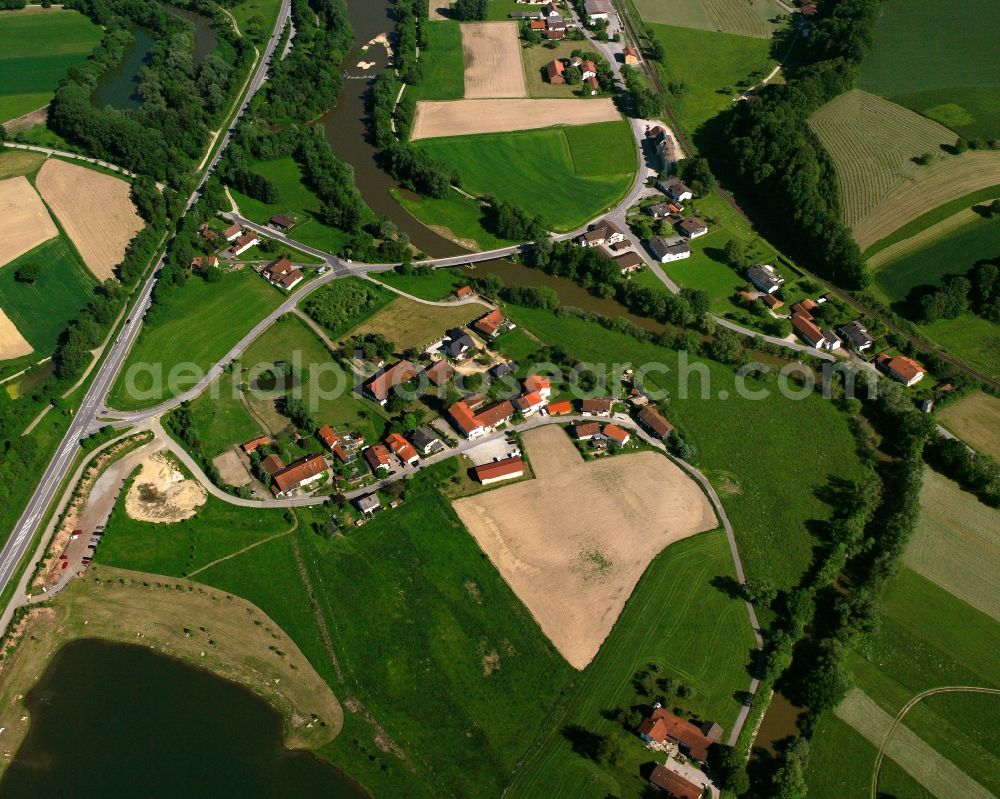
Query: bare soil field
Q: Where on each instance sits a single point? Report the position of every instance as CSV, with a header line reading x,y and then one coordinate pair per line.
x,y
12,343
573,542
463,117
26,221
492,60
437,10
231,469
161,493
957,543
976,420
175,617
94,209
944,180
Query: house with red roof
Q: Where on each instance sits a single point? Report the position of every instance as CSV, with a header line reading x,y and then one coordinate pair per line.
x,y
693,740
328,437
379,387
585,431
244,243
476,424
675,784
232,232
463,291
377,458
559,408
654,422
538,383
506,469
298,474
402,448
530,403
492,324
253,443
440,372
616,435
906,370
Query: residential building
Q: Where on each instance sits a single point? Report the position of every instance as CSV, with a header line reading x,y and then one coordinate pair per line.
x,y
809,331
555,34
630,56
538,24
551,10
425,442
676,189
492,324
906,370
674,784
204,261
402,448
368,504
300,473
559,408
244,243
439,372
282,221
379,387
253,443
628,263
328,437
692,740
592,85
554,71
654,422
556,24
588,69
529,404
282,273
804,308
377,458
771,301
597,9
855,334
475,424
464,291
666,250
506,469
501,370
540,384
603,232
458,344
616,434
692,227
658,210
665,146
596,407
765,278
272,464
232,232
585,431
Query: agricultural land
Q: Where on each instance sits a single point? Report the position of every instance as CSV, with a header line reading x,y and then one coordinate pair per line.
x,y
40,47
976,420
759,19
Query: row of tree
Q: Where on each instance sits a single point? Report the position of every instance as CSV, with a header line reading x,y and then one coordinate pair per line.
x,y
977,291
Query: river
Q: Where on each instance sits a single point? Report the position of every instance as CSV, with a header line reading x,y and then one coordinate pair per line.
x,y
120,720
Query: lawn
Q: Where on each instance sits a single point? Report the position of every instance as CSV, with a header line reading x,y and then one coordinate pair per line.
x,y
265,10
442,63
438,285
220,418
455,217
970,338
19,162
568,175
976,420
959,80
766,520
407,323
664,624
194,327
535,59
953,253
295,199
727,16
40,47
41,310
706,63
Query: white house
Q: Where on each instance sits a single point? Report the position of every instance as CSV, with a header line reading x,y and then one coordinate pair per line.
x,y
666,250
597,9
244,243
676,189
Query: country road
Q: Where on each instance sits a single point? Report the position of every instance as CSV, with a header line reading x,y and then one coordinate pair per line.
x,y
84,420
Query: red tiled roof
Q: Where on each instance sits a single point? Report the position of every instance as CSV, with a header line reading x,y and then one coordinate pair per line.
x,y
232,230
663,725
391,377
655,421
507,467
905,368
468,421
253,443
496,413
536,383
674,784
342,454
616,434
304,468
272,464
403,448
559,408
771,300
530,400
586,429
805,327
463,291
327,436
439,372
377,456
488,323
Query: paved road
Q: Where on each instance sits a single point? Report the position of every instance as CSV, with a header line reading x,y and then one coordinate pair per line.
x,y
91,407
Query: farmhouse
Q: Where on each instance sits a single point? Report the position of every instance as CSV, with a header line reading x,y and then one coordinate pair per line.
x,y
368,504
381,385
628,263
585,431
604,232
253,443
377,458
807,330
282,273
592,84
692,227
588,69
231,233
507,469
855,334
693,741
906,370
654,422
272,464
596,407
300,473
765,278
559,408
402,448
282,221
244,243
616,434
554,71
474,424
665,250
630,55
439,372
675,189
425,442
539,384
597,9
674,784
529,404
492,324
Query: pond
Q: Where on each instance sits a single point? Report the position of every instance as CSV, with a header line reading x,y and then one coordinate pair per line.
x,y
120,720
780,722
205,37
117,87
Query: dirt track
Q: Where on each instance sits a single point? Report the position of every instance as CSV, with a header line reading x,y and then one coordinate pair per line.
x,y
573,542
463,117
26,222
95,210
492,60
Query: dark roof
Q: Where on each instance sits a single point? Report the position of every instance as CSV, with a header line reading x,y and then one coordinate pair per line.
x,y
661,246
691,225
501,370
459,342
764,278
423,438
281,220
628,260
856,334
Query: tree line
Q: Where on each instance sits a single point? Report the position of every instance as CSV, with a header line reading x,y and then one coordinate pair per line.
x,y
978,291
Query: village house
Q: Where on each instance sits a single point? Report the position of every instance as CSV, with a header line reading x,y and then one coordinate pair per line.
x,y
675,189
562,408
377,458
326,435
616,435
665,146
300,473
537,24
659,210
654,422
554,34
204,261
402,449
765,278
492,324
556,23
379,387
272,464
692,740
596,407
539,384
592,85
674,784
282,221
232,232
554,71
856,335
464,291
551,10
588,69
604,232
692,227
666,250
529,404
630,56
501,370
425,442
812,335
458,344
476,424
906,370
439,373
771,301
254,443
368,504
282,273
597,9
628,263
244,243
586,431
506,469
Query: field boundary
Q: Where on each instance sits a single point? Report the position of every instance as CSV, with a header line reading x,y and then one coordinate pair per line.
x,y
894,252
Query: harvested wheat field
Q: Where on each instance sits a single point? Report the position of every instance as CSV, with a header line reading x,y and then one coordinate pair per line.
x,y
573,542
26,222
161,493
464,117
12,343
95,210
492,60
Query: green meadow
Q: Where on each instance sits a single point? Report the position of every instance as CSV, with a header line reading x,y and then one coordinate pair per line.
x,y
442,63
455,217
567,174
438,285
973,339
196,324
41,310
39,48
